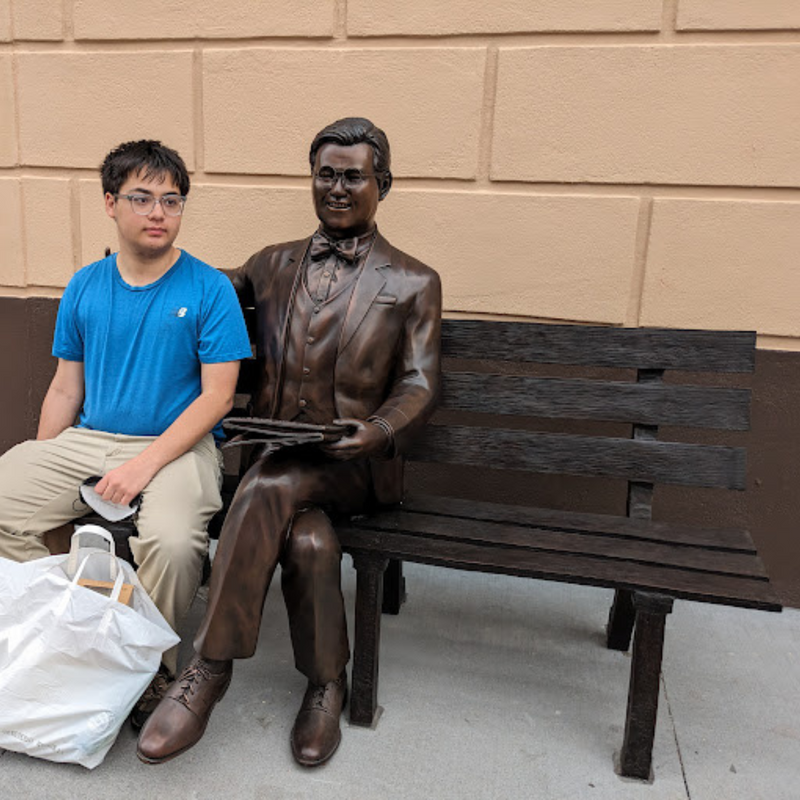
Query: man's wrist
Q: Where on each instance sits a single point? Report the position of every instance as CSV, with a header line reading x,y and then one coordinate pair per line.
x,y
380,422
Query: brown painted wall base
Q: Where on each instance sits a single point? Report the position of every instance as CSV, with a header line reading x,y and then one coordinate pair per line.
x,y
770,507
26,366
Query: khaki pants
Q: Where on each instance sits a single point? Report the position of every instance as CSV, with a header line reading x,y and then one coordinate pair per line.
x,y
39,483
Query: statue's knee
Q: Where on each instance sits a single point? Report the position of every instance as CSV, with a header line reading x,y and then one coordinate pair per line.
x,y
263,483
312,538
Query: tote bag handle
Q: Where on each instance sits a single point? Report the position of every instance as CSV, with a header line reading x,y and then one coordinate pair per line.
x,y
72,562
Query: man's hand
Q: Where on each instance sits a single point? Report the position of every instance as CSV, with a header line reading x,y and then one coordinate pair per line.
x,y
366,440
125,482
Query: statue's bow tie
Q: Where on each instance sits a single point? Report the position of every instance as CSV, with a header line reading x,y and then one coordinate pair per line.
x,y
322,247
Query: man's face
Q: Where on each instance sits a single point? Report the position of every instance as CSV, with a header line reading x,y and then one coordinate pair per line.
x,y
346,210
149,235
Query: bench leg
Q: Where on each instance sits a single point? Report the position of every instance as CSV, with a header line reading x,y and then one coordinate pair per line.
x,y
394,587
369,591
620,621
636,757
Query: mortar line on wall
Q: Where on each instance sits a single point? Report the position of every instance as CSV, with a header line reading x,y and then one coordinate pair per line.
x,y
68,28
77,231
641,246
537,39
669,19
486,132
21,200
23,229
340,20
17,126
199,118
467,185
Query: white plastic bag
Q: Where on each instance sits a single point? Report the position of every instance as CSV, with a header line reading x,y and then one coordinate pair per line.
x,y
73,662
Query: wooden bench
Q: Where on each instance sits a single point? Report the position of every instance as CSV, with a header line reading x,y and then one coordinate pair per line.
x,y
492,399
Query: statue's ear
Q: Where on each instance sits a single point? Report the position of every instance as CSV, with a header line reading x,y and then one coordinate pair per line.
x,y
384,184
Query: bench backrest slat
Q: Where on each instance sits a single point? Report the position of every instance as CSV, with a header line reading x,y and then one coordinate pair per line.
x,y
638,348
632,459
646,403
614,401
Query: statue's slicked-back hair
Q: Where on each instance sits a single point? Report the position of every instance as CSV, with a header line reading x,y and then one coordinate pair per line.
x,y
355,130
147,157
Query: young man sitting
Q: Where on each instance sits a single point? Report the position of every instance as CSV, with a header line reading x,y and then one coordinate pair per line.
x,y
148,342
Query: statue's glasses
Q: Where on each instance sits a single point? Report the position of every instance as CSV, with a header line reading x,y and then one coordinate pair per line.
x,y
351,178
143,204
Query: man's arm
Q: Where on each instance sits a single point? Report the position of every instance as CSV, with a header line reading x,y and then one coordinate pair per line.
x,y
63,400
218,381
415,390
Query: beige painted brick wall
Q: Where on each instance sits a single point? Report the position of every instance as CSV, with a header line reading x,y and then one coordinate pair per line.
x,y
428,101
74,107
738,14
47,206
753,282
12,263
623,162
187,19
422,17
39,20
5,21
715,115
8,126
569,257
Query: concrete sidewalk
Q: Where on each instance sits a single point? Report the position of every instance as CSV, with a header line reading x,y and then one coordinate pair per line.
x,y
493,687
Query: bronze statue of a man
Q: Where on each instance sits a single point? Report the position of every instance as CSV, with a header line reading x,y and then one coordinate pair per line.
x,y
348,332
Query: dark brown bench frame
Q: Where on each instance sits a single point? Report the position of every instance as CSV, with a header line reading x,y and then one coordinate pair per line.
x,y
649,564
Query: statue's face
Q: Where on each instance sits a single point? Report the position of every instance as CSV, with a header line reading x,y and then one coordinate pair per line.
x,y
343,208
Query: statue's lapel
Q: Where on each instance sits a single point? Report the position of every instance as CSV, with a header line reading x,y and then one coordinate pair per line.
x,y
367,288
283,292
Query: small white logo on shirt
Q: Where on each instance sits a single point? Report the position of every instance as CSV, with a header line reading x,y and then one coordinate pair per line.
x,y
181,312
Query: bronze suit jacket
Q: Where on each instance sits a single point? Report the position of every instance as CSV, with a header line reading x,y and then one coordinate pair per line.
x,y
387,362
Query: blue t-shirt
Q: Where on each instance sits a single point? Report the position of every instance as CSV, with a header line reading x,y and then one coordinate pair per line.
x,y
142,346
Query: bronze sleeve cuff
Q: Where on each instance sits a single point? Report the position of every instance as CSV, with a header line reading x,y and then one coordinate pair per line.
x,y
388,430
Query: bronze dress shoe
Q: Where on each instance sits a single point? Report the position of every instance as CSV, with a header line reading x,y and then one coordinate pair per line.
x,y
316,734
180,720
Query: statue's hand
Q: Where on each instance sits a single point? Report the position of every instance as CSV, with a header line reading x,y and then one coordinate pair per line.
x,y
365,439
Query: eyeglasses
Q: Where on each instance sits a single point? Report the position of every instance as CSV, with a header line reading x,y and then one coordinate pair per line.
x,y
351,178
143,204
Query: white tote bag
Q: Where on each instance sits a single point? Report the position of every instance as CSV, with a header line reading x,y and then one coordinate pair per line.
x,y
73,662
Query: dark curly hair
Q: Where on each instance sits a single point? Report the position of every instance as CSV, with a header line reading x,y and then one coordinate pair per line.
x,y
146,156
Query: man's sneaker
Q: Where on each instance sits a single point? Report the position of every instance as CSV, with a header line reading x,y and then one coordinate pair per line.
x,y
147,703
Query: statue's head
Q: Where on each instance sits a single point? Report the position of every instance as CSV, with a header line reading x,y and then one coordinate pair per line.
x,y
350,166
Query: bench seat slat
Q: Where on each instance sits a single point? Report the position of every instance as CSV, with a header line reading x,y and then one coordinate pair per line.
x,y
614,401
637,460
638,348
686,584
732,539
604,546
